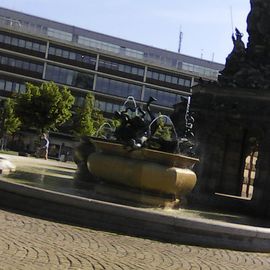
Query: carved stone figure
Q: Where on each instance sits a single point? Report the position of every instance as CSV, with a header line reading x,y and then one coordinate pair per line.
x,y
250,67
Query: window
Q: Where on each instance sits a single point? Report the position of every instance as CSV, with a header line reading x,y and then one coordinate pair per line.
x,y
118,88
26,65
40,68
202,71
58,52
4,60
2,84
72,55
42,48
121,68
187,83
69,77
59,34
35,46
14,41
162,77
181,81
16,87
134,70
8,86
22,88
164,98
174,80
12,86
65,54
89,42
11,62
88,60
32,67
28,45
22,43
7,39
168,78
140,72
52,50
149,74
124,68
155,76
19,64
127,69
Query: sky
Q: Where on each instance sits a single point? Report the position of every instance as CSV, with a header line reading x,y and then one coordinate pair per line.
x,y
206,25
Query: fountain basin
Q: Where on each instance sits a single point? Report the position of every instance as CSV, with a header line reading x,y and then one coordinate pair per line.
x,y
144,169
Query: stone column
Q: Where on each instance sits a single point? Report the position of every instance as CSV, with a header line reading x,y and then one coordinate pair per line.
x,y
261,198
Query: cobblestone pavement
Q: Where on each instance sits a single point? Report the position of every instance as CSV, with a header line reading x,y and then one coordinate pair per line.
x,y
32,243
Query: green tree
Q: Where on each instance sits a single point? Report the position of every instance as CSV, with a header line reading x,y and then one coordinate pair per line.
x,y
44,106
87,119
163,131
10,123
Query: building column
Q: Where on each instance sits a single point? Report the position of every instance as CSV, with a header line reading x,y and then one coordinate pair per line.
x,y
95,75
261,199
45,63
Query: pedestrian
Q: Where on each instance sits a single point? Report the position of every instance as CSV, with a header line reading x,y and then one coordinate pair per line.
x,y
45,145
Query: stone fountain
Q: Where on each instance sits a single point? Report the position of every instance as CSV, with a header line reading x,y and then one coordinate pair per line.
x,y
133,156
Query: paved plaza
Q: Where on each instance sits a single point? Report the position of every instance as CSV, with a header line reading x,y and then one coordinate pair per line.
x,y
32,243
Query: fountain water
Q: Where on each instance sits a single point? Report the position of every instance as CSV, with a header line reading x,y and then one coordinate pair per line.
x,y
102,127
130,98
159,117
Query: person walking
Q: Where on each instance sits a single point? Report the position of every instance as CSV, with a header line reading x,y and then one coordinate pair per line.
x,y
45,145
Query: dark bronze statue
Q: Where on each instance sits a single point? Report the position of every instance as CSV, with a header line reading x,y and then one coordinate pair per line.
x,y
140,131
249,67
133,131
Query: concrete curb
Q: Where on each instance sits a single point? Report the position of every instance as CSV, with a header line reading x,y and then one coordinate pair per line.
x,y
133,221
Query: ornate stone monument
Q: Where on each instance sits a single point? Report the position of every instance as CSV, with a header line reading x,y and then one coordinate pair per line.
x,y
233,119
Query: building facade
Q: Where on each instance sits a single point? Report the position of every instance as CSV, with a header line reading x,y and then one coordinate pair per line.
x,y
34,49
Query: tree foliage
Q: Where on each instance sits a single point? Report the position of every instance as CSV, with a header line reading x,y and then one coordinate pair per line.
x,y
164,130
44,106
87,119
10,123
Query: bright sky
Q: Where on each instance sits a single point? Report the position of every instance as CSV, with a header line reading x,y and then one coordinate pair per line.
x,y
206,24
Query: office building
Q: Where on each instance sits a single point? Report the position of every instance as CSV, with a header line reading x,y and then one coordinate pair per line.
x,y
34,49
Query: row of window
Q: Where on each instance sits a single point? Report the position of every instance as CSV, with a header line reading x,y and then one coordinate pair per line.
x,y
63,35
22,43
166,99
202,71
85,81
11,86
118,88
107,106
21,64
106,46
154,75
125,68
71,55
79,100
69,77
